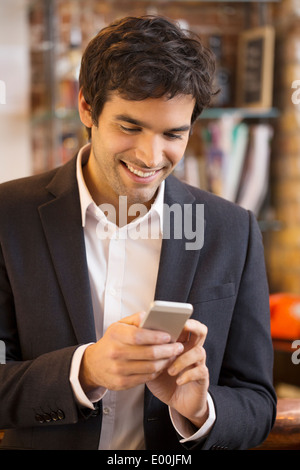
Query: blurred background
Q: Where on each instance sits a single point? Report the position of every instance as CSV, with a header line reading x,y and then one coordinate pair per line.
x,y
245,147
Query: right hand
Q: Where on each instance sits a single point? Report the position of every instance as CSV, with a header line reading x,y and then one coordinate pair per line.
x,y
127,356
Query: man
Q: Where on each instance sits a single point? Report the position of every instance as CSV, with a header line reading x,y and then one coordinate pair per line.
x,y
75,279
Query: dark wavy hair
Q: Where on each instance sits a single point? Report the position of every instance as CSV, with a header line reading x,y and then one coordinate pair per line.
x,y
146,57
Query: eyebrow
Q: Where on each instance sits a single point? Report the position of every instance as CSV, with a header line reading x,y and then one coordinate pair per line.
x,y
137,122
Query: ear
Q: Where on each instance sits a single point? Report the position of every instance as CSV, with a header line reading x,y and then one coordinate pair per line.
x,y
84,110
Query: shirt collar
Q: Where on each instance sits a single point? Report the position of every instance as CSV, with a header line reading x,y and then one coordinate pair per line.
x,y
86,200
84,194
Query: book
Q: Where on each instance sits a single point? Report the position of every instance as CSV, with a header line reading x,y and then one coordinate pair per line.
x,y
254,184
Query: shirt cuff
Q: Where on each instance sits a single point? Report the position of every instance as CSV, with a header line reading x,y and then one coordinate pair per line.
x,y
85,400
184,428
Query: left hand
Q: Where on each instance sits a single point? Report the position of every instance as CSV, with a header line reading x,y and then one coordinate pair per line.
x,y
184,384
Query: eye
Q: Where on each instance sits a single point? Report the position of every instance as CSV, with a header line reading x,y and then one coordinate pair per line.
x,y
129,130
172,136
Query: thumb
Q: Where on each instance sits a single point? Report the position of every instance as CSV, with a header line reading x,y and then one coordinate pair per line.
x,y
134,319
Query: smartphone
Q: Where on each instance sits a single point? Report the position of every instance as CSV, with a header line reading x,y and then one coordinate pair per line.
x,y
167,316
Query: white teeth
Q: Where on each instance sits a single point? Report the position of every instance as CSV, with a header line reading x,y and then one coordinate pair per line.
x,y
140,173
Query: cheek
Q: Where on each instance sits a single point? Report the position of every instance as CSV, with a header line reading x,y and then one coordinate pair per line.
x,y
106,151
176,152
120,144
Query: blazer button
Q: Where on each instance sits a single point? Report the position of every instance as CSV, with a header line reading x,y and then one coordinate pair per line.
x,y
60,414
39,418
54,416
47,417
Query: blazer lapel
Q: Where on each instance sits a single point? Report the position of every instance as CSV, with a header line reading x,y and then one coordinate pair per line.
x,y
175,275
61,220
177,263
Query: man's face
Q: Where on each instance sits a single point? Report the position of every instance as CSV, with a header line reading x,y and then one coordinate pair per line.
x,y
136,145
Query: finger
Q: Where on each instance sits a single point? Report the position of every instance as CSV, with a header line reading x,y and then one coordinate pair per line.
x,y
127,330
195,355
134,319
143,335
140,368
193,331
154,352
125,382
198,373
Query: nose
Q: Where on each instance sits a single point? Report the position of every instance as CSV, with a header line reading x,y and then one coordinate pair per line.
x,y
150,151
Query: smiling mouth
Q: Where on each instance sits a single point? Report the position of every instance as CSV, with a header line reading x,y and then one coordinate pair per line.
x,y
140,173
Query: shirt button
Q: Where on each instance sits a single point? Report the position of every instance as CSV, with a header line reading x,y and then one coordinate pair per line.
x,y
106,410
112,291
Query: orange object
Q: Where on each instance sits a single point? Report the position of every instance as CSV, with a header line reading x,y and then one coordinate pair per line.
x,y
285,316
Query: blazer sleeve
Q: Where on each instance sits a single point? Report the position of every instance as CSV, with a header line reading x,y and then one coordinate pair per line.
x,y
244,398
32,389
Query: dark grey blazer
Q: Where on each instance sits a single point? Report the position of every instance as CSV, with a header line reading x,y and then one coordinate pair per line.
x,y
46,311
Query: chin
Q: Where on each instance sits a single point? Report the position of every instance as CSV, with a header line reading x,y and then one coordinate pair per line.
x,y
146,198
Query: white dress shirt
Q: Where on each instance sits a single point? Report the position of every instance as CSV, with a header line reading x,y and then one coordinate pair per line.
x,y
123,268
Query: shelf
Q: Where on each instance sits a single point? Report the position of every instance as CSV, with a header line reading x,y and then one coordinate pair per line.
x,y
59,114
221,1
212,113
216,113
270,225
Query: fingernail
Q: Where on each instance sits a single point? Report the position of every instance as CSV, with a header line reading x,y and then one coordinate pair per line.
x,y
179,348
166,338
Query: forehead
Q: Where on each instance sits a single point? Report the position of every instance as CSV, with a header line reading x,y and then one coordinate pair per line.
x,y
153,112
